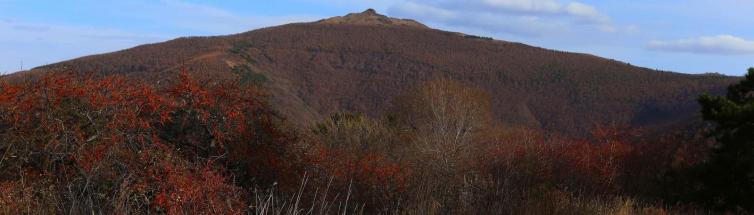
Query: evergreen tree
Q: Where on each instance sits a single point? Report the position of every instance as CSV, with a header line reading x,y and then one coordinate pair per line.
x,y
727,178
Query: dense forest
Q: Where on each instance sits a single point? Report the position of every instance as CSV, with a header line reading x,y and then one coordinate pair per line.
x,y
366,114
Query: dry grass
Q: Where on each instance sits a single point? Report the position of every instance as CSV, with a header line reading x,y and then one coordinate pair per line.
x,y
319,201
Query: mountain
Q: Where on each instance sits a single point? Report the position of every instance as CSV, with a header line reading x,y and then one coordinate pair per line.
x,y
361,61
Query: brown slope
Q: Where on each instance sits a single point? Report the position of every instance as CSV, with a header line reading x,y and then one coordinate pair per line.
x,y
361,61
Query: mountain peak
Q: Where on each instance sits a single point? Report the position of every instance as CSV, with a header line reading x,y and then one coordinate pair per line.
x,y
372,18
370,11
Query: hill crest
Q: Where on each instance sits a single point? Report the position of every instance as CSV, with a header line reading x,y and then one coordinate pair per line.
x,y
372,18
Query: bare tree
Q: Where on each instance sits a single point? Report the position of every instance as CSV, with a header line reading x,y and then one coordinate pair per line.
x,y
444,115
440,119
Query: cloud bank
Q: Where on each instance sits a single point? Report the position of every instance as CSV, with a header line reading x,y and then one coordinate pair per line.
x,y
518,17
720,45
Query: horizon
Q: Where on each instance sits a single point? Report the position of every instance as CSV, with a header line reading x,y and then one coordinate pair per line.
x,y
658,36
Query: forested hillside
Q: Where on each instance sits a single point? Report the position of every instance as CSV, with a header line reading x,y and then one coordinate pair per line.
x,y
361,62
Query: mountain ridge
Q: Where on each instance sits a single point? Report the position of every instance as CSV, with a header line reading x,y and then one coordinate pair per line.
x,y
361,63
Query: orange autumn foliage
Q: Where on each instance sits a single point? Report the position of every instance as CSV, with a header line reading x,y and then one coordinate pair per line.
x,y
162,149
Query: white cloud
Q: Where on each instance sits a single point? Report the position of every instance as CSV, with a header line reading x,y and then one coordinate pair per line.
x,y
518,17
571,9
425,11
583,10
721,44
525,5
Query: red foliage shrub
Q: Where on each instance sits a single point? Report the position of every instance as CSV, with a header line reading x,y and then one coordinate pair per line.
x,y
526,157
367,177
369,170
595,168
161,148
184,189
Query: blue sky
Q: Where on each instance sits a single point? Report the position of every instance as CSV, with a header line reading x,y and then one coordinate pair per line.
x,y
691,36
